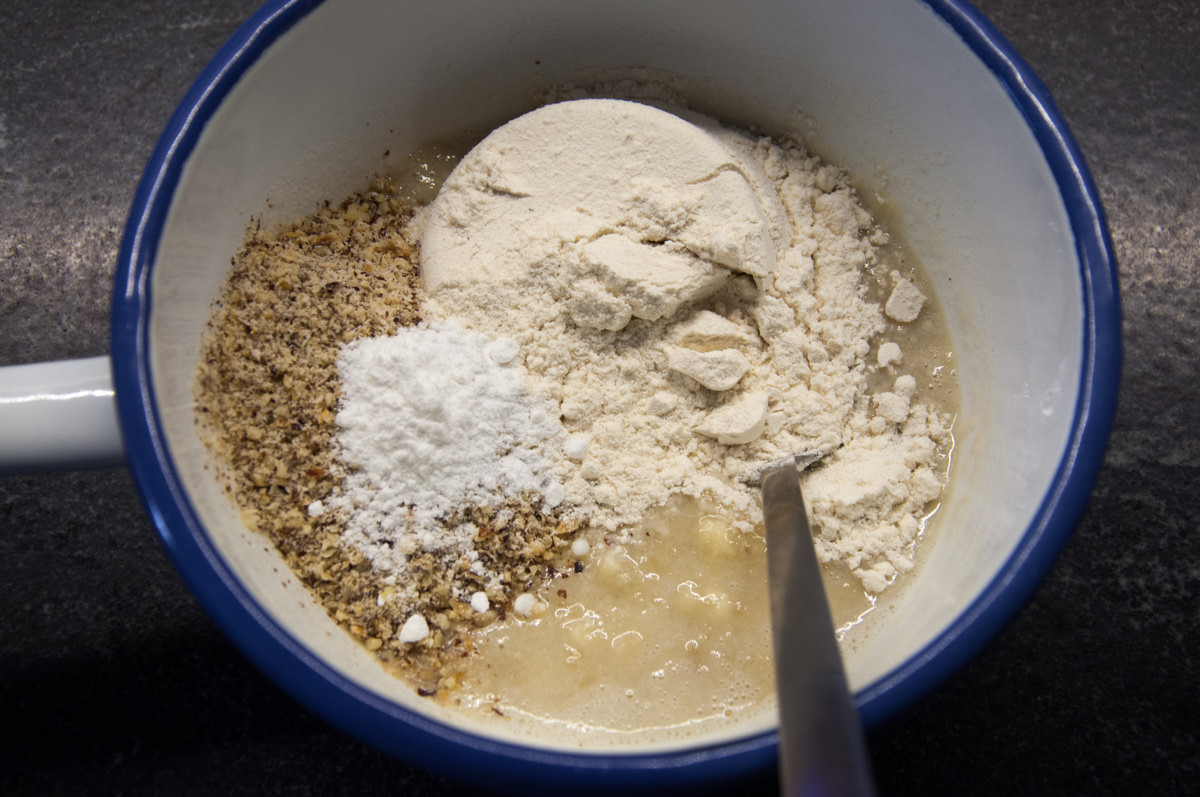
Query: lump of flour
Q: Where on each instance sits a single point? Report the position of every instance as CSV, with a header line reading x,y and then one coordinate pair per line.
x,y
691,302
624,210
904,305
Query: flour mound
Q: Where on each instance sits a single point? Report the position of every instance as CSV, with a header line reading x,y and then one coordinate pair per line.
x,y
629,211
691,302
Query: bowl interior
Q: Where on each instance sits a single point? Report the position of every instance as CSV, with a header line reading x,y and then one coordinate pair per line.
x,y
885,89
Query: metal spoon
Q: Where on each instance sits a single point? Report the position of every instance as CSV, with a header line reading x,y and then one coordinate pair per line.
x,y
821,746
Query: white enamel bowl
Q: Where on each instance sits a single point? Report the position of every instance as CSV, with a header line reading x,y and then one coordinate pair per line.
x,y
922,101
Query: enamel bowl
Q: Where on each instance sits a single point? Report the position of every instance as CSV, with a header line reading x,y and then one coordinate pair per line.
x,y
922,102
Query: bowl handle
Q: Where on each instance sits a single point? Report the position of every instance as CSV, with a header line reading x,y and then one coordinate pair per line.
x,y
59,415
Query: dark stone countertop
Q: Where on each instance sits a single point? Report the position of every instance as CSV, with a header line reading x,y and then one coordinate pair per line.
x,y
113,680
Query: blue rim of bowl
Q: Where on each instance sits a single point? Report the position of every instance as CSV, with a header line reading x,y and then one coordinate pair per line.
x,y
1095,408
429,744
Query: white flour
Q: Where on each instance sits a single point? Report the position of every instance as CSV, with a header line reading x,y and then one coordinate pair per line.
x,y
699,312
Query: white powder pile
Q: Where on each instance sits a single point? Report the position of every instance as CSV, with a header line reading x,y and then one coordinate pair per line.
x,y
690,301
574,190
432,419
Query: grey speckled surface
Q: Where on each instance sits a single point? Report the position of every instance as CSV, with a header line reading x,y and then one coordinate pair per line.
x,y
112,679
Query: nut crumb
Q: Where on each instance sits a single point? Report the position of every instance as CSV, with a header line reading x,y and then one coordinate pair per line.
x,y
267,392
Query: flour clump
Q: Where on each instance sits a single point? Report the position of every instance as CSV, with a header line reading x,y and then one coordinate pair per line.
x,y
622,209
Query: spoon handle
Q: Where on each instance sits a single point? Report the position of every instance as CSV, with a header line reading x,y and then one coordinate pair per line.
x,y
821,747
